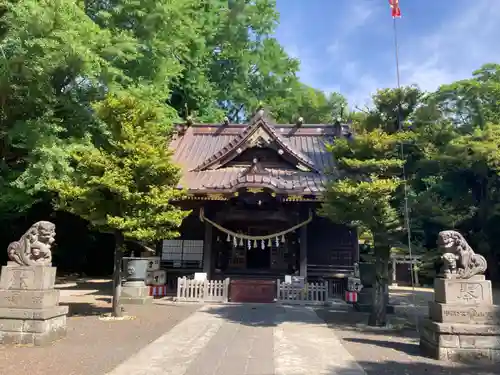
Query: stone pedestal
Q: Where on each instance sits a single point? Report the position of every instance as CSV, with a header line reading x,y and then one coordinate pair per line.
x,y
463,323
135,293
29,306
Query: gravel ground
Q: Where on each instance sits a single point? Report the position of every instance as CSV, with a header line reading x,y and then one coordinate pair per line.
x,y
392,351
93,346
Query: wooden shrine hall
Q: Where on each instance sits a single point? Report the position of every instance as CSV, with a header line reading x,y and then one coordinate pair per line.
x,y
254,190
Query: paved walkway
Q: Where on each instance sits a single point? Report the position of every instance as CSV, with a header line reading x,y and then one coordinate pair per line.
x,y
245,340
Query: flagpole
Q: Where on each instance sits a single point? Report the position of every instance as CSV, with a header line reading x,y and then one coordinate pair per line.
x,y
396,54
405,184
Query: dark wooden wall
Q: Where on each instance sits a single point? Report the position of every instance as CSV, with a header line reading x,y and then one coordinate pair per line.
x,y
330,244
192,228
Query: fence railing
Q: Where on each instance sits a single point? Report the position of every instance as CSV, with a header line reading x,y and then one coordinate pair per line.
x,y
202,291
311,293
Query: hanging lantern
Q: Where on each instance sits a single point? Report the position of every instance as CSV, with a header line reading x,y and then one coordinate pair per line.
x,y
241,241
249,244
228,238
235,242
269,243
262,244
218,239
254,244
283,238
277,241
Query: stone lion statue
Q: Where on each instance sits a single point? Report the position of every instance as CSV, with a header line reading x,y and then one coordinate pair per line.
x,y
459,259
449,265
34,247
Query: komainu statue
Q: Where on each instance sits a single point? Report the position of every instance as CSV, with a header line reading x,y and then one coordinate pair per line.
x,y
33,249
459,260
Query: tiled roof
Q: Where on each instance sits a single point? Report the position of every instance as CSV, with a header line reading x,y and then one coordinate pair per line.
x,y
203,147
241,142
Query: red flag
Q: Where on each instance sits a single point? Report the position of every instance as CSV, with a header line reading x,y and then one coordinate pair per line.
x,y
395,9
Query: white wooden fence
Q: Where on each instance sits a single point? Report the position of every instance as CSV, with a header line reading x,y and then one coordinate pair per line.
x,y
310,294
202,291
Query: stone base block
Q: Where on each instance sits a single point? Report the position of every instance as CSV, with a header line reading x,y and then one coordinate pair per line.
x,y
473,291
27,278
465,314
136,300
32,332
134,291
29,299
475,356
33,314
460,342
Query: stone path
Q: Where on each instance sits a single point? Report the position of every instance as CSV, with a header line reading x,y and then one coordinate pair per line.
x,y
245,340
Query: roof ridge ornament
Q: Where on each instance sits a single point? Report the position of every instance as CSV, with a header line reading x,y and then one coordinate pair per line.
x,y
255,168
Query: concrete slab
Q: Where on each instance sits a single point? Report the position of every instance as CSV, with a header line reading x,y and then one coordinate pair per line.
x,y
254,339
172,353
303,344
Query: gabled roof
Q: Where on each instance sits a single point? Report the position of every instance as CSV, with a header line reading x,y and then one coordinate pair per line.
x,y
306,144
258,133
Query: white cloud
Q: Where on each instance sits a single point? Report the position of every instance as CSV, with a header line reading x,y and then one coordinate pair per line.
x,y
459,46
450,51
365,84
357,15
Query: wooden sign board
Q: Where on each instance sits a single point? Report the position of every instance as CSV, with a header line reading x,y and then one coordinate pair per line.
x,y
297,281
200,276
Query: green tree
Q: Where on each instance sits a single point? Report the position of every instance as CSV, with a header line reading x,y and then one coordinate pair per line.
x,y
127,185
455,180
53,64
391,105
472,102
366,193
314,106
210,59
463,189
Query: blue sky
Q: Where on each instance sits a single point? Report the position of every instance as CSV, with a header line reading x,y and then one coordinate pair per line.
x,y
347,45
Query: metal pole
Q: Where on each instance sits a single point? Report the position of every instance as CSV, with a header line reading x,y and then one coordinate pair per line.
x,y
405,184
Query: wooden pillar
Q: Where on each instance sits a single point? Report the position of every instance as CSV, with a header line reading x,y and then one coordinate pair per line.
x,y
356,245
303,251
207,251
158,248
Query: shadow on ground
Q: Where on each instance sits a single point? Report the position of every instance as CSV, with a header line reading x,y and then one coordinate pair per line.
x,y
398,368
357,322
92,286
262,315
85,309
392,350
85,297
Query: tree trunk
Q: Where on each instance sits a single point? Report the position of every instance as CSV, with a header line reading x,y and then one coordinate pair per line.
x,y
378,315
492,261
117,274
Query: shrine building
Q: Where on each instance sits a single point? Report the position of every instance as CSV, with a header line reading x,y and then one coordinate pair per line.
x,y
254,190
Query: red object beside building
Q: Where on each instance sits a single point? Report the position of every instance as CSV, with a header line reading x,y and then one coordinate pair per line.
x,y
158,290
256,291
351,297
